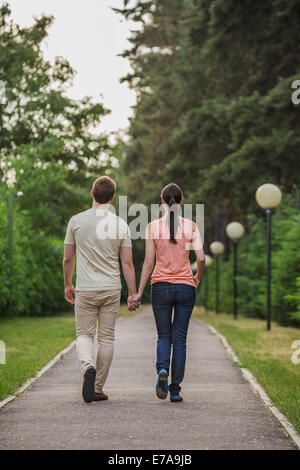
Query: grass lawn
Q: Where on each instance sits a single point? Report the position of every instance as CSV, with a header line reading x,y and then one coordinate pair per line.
x,y
267,354
31,342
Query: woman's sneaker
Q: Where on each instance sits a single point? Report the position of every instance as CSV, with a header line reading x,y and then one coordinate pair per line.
x,y
162,387
176,398
88,388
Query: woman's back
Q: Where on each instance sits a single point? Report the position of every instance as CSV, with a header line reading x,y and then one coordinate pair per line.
x,y
172,259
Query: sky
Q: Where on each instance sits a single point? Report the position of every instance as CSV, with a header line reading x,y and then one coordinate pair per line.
x,y
90,35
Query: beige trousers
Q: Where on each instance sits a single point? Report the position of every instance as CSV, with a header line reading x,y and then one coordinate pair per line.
x,y
90,307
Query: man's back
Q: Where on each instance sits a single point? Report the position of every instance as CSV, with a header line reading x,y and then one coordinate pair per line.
x,y
98,236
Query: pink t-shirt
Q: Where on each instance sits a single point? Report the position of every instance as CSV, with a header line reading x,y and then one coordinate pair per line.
x,y
172,260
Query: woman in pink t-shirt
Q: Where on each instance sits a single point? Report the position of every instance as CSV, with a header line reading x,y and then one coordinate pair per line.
x,y
173,287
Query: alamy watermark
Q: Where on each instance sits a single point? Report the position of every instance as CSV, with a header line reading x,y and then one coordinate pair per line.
x,y
2,92
296,94
2,352
140,216
296,354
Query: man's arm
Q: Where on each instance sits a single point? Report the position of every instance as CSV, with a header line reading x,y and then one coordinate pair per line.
x,y
68,266
128,269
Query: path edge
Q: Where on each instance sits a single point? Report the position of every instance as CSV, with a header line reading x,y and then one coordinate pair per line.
x,y
258,389
51,363
30,381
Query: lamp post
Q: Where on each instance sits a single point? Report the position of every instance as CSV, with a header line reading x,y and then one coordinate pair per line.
x,y
235,231
217,248
268,196
10,227
208,261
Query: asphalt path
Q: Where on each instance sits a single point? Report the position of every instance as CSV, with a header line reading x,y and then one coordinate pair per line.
x,y
220,410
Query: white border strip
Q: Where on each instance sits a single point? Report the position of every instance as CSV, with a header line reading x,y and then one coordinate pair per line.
x,y
45,368
38,375
259,390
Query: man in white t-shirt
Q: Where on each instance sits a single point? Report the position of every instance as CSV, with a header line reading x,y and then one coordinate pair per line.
x,y
96,238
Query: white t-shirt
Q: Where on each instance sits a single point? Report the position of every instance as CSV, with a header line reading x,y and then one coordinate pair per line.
x,y
98,236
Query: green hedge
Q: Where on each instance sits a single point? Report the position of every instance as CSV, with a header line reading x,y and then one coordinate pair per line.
x,y
36,285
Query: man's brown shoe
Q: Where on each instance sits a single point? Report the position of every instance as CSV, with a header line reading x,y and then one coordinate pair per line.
x,y
100,396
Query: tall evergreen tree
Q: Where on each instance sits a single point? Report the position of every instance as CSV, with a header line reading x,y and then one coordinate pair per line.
x,y
214,110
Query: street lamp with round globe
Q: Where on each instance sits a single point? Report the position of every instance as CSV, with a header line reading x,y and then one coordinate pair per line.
x,y
194,267
208,262
235,231
268,196
217,248
11,198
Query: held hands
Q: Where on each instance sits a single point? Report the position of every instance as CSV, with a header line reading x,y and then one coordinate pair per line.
x,y
69,293
134,301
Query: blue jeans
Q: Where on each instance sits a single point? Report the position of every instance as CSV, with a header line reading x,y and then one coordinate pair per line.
x,y
164,297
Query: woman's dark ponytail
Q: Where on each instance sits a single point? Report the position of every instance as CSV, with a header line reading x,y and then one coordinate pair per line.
x,y
172,216
172,196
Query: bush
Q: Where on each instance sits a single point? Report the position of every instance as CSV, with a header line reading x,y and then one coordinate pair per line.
x,y
286,262
36,284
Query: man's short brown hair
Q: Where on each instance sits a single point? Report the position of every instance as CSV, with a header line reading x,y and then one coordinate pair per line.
x,y
103,189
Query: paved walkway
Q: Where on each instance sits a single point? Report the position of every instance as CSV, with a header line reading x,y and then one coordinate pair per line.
x,y
220,410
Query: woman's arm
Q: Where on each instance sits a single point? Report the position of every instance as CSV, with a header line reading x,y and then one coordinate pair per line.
x,y
200,256
148,263
129,275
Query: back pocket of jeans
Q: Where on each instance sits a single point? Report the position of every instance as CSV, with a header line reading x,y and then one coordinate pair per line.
x,y
159,295
186,295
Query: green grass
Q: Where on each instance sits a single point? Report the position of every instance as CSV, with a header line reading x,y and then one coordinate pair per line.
x,y
31,342
267,354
